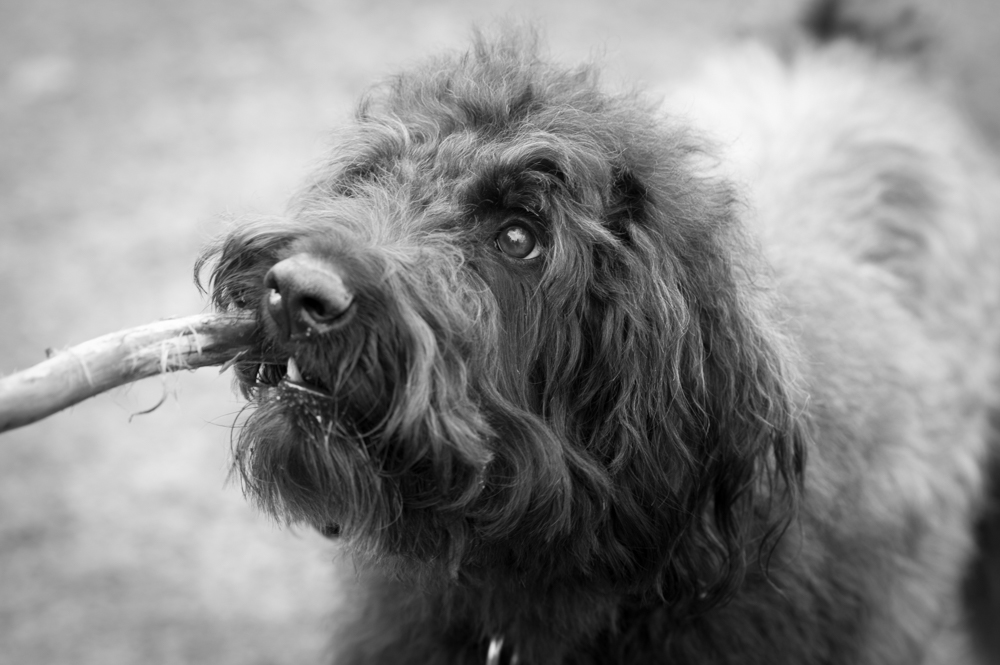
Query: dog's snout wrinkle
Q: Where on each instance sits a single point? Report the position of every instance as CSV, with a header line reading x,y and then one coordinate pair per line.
x,y
306,295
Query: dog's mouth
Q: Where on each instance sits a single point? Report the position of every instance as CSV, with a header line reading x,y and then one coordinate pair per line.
x,y
284,375
296,379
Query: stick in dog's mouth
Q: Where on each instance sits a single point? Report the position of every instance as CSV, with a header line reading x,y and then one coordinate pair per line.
x,y
88,369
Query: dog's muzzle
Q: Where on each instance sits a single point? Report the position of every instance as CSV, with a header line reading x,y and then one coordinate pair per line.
x,y
306,296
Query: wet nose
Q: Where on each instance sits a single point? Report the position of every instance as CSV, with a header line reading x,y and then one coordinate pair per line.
x,y
306,295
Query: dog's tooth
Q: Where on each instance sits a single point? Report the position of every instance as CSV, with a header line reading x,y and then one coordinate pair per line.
x,y
293,371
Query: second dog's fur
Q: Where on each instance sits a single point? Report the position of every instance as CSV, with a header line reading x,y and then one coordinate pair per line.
x,y
581,380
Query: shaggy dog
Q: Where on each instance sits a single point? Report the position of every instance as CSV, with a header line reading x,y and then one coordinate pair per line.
x,y
577,378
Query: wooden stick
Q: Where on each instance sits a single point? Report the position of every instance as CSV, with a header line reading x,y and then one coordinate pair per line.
x,y
88,369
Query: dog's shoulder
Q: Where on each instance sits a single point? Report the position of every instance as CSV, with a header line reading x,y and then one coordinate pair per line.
x,y
842,147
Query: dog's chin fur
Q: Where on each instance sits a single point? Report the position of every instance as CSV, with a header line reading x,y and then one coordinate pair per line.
x,y
735,410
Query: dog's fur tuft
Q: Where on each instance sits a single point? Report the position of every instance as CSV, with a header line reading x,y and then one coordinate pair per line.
x,y
707,422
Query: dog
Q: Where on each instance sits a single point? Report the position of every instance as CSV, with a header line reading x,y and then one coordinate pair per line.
x,y
577,376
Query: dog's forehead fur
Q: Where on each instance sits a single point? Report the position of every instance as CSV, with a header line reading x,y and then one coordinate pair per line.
x,y
500,129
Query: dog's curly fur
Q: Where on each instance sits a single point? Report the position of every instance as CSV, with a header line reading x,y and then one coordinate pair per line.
x,y
733,407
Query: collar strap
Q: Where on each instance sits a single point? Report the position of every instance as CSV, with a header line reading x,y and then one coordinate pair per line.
x,y
497,655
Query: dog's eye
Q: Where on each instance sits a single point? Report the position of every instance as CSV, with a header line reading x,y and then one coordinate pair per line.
x,y
517,241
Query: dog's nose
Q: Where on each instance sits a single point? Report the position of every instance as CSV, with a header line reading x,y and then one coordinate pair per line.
x,y
306,295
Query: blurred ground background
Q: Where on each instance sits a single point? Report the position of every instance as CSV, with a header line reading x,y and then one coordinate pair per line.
x,y
130,131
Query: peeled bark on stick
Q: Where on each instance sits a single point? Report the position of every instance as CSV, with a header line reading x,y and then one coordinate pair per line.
x,y
88,369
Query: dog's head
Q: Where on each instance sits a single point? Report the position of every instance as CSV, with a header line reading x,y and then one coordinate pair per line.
x,y
510,327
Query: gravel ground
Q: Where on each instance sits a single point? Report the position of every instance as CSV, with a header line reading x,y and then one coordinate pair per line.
x,y
131,131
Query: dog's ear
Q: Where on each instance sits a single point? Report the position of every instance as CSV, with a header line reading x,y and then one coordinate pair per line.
x,y
688,400
745,434
629,199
